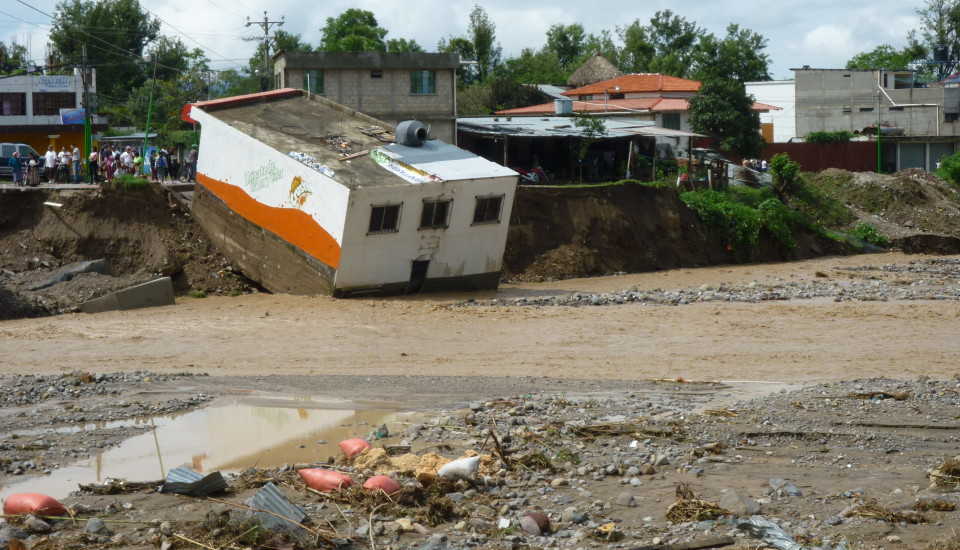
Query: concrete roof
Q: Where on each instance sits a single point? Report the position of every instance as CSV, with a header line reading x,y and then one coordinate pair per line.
x,y
561,127
369,60
290,121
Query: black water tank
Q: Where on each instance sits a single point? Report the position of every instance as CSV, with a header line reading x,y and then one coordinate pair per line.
x,y
940,53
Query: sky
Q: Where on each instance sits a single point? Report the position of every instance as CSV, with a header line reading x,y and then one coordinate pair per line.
x,y
819,33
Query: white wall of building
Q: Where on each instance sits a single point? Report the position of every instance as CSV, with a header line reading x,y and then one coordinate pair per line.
x,y
460,249
781,93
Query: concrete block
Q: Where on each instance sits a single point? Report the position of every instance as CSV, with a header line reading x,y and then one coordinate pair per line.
x,y
158,292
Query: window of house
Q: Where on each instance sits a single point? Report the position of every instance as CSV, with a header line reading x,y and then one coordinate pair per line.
x,y
50,103
866,109
847,110
671,121
896,108
435,214
384,218
313,81
376,74
423,82
487,209
13,104
951,117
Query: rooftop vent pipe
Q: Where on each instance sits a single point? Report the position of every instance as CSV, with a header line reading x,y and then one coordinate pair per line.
x,y
411,133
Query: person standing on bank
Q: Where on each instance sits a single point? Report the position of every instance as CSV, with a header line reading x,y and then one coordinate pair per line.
x,y
50,163
93,168
17,169
76,163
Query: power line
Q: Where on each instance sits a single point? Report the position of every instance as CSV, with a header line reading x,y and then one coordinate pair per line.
x,y
187,36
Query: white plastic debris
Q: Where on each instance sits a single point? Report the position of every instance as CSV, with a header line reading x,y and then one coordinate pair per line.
x,y
462,468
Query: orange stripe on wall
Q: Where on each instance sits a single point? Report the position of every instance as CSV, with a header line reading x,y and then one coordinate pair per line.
x,y
294,226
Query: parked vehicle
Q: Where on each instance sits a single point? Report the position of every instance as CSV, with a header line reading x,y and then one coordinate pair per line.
x,y
6,151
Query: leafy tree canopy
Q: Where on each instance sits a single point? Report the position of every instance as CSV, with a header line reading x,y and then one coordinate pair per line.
x,y
738,56
479,45
723,110
115,33
567,43
13,58
353,31
665,45
884,56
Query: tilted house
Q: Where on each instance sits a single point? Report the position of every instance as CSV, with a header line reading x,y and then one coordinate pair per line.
x,y
309,196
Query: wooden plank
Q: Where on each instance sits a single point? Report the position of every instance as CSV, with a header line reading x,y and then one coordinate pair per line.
x,y
354,155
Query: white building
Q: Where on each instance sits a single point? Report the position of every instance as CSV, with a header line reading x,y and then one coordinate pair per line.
x,y
309,196
776,126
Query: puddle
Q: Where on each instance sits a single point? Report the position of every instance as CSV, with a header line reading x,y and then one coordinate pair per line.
x,y
228,437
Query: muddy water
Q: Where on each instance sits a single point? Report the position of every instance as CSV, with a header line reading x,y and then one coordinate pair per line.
x,y
228,437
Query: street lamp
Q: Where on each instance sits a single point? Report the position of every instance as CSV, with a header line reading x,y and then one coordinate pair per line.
x,y
153,83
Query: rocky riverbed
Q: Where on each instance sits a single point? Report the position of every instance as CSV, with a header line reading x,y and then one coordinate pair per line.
x,y
651,464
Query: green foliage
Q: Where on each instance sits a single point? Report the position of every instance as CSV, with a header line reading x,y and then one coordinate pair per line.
x,y
665,45
118,32
127,183
738,56
592,127
282,40
564,454
784,171
841,136
883,56
723,110
354,30
198,294
13,58
949,169
566,43
819,206
869,233
479,44
533,67
740,214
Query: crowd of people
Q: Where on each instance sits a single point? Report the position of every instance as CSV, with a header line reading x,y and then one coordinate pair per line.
x,y
756,164
104,165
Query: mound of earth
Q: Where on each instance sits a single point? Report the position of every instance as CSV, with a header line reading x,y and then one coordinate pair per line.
x,y
917,211
142,234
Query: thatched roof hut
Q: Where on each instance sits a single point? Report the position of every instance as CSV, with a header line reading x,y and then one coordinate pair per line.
x,y
596,69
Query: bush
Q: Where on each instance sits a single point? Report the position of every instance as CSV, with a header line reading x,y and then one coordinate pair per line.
x,y
785,172
869,233
842,136
949,169
127,182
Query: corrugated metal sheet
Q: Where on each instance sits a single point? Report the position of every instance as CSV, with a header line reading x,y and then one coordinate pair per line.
x,y
561,127
184,481
270,499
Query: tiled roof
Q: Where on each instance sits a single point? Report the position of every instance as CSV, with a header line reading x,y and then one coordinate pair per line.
x,y
593,106
638,83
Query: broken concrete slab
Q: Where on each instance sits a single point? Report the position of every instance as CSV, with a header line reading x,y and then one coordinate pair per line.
x,y
70,271
158,292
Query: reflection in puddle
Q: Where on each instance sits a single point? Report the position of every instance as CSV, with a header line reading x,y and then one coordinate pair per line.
x,y
228,438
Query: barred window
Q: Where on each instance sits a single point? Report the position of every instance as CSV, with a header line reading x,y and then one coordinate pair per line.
x,y
384,218
313,81
435,214
13,104
50,103
487,209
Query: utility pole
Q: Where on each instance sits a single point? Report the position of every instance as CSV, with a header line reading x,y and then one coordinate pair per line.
x,y
87,137
879,137
265,25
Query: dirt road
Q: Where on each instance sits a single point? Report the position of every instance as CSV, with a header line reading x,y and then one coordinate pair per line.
x,y
788,341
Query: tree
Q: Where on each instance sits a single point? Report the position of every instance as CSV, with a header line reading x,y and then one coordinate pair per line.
x,y
353,31
13,58
567,43
479,45
592,128
666,45
403,45
723,110
884,56
738,56
282,41
940,21
533,67
115,33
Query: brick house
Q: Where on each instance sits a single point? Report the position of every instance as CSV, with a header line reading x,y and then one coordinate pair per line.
x,y
389,86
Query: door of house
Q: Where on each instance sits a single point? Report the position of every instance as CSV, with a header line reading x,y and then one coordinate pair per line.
x,y
418,275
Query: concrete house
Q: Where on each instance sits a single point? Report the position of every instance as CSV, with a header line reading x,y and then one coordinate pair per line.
x,y
31,106
309,196
920,123
389,86
776,125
